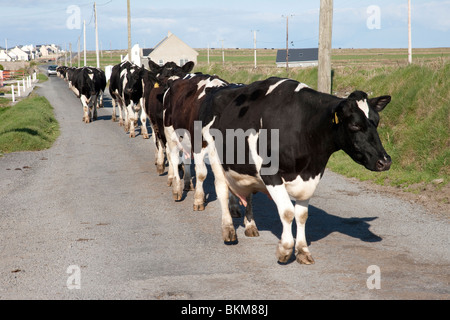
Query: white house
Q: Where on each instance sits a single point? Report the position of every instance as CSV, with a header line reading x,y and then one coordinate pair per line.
x,y
171,48
135,55
4,56
19,54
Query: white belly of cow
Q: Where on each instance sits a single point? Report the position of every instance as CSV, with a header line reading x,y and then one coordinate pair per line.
x,y
300,189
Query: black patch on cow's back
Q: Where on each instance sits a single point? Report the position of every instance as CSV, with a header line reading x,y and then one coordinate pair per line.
x,y
240,100
243,111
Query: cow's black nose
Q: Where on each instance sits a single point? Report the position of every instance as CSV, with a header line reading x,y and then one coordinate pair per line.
x,y
384,164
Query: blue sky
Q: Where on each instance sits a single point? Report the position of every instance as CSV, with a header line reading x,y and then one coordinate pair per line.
x,y
356,23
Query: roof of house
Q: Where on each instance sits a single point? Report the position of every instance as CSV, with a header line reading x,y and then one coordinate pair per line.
x,y
146,52
309,54
170,35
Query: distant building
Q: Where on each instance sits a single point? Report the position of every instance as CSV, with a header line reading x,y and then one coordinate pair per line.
x,y
171,48
4,56
18,54
298,57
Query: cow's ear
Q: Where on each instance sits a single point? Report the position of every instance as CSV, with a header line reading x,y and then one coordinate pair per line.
x,y
338,112
379,103
153,66
188,66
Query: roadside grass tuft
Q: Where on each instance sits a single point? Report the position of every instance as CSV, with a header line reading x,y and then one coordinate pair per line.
x,y
29,125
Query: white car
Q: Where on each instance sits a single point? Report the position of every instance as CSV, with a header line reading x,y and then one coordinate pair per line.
x,y
51,70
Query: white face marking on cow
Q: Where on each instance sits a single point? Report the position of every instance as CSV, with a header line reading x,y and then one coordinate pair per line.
x,y
272,87
91,76
123,72
300,189
362,104
300,87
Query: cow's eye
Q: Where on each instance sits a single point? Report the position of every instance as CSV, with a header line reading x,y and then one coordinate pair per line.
x,y
354,127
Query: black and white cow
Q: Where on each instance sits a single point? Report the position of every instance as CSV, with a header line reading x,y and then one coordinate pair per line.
x,y
182,102
154,94
84,82
127,91
289,131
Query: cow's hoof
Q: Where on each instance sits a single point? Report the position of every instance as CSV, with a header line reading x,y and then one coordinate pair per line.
x,y
177,196
251,231
283,253
160,169
229,234
133,135
199,207
145,136
304,258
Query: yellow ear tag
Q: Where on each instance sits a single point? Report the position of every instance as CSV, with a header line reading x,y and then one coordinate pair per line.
x,y
156,85
336,119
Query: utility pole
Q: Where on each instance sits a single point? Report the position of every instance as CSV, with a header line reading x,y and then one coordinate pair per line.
x,y
325,31
208,54
79,51
70,54
84,41
223,54
287,41
254,44
409,33
96,36
129,29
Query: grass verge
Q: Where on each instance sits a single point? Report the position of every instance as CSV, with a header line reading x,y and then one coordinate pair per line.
x,y
30,125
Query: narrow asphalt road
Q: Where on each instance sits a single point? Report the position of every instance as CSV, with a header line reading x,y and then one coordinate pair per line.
x,y
91,219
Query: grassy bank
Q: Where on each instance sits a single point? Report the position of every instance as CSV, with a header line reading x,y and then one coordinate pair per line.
x,y
29,125
414,127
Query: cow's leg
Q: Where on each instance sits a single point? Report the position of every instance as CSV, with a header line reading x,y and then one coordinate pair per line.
x,y
174,151
170,167
187,178
301,246
221,186
94,107
100,100
286,210
200,173
113,118
121,112
131,120
143,118
84,102
160,157
250,227
233,205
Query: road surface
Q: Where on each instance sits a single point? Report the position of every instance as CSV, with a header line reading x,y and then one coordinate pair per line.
x,y
91,219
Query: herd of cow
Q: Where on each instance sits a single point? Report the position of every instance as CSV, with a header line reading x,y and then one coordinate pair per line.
x,y
273,136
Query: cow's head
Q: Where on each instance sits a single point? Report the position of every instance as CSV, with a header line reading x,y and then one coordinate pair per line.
x,y
356,119
89,75
134,86
170,70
